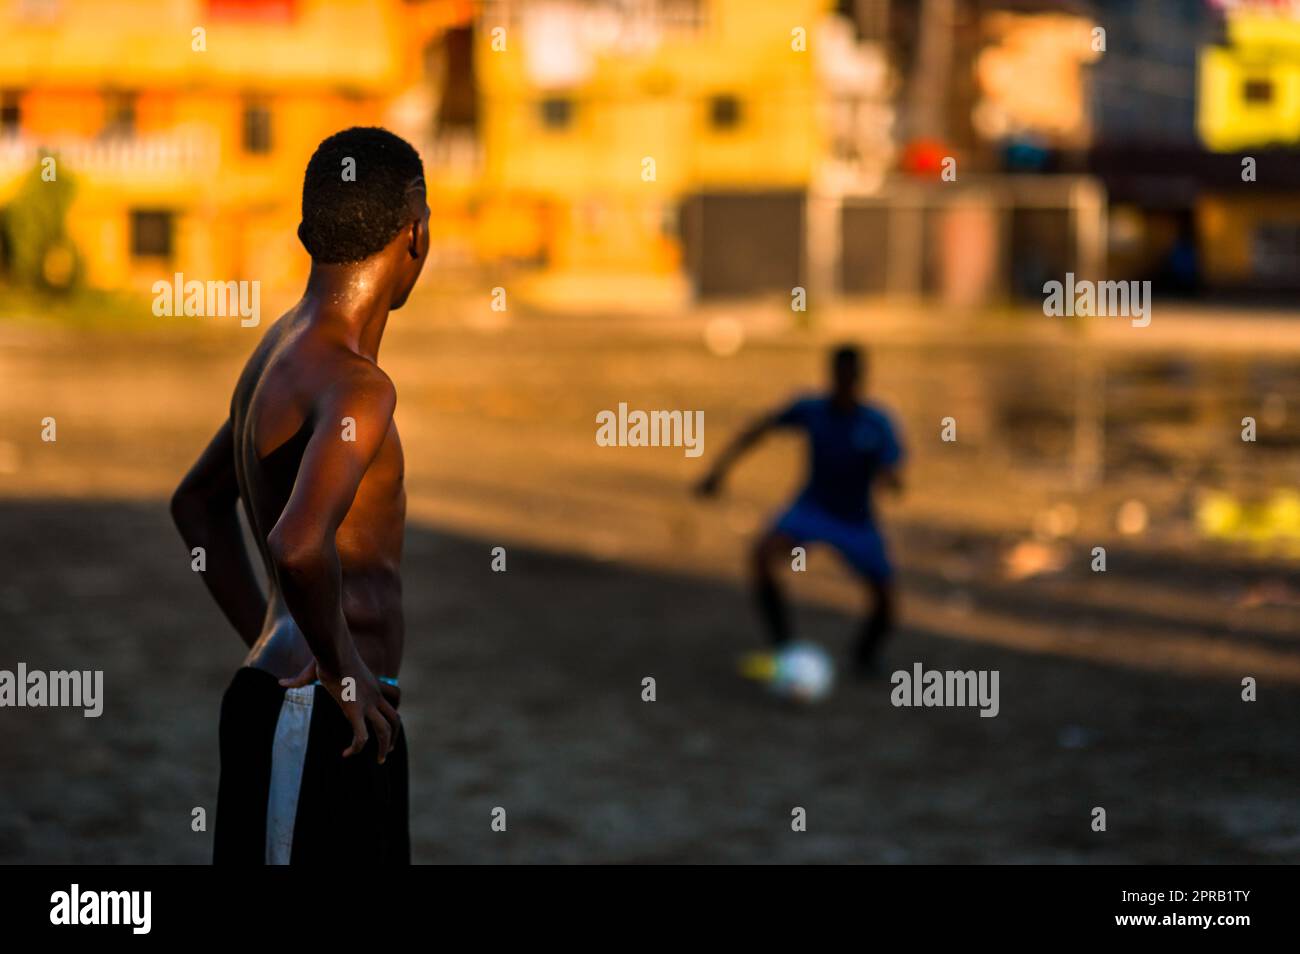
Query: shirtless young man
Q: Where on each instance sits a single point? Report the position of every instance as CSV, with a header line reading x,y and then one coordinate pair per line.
x,y
313,757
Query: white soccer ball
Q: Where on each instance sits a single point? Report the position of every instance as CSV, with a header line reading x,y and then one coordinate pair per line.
x,y
804,672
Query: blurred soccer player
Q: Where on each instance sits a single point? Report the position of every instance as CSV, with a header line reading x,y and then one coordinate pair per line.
x,y
313,757
852,446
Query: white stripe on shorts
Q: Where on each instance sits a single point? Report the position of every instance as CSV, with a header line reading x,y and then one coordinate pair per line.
x,y
287,757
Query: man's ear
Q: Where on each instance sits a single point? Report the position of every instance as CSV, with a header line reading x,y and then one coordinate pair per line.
x,y
417,238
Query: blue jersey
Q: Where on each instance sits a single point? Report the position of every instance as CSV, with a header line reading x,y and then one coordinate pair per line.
x,y
846,450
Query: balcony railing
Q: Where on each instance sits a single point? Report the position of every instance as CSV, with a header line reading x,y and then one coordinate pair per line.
x,y
177,155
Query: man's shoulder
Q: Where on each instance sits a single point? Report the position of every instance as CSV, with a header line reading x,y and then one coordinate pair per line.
x,y
808,402
798,410
358,384
319,377
322,369
878,414
355,372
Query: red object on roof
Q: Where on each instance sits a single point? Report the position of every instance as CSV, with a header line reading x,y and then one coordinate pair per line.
x,y
253,11
924,157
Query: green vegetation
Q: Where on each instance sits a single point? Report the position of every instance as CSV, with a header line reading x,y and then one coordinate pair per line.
x,y
38,251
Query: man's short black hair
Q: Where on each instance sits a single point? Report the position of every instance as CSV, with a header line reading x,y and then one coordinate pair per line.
x,y
351,210
847,354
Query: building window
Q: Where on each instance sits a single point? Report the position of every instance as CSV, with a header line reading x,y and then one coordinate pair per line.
x,y
557,112
1258,91
151,233
257,128
119,113
453,61
11,113
724,112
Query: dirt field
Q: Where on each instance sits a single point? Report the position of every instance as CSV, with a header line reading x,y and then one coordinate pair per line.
x,y
522,689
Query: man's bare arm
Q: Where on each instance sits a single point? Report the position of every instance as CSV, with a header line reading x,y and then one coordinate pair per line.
x,y
746,439
304,553
891,478
205,510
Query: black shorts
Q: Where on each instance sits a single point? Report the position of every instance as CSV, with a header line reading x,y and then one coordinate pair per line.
x,y
287,795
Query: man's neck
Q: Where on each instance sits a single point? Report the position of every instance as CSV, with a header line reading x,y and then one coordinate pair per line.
x,y
351,301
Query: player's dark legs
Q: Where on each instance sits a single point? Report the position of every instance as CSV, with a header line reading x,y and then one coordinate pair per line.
x,y
877,625
765,558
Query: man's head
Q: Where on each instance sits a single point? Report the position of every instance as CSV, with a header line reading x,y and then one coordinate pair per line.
x,y
364,196
848,368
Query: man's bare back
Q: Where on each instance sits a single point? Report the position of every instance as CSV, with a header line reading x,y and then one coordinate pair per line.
x,y
281,402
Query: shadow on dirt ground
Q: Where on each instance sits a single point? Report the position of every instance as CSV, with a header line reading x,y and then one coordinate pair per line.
x,y
523,690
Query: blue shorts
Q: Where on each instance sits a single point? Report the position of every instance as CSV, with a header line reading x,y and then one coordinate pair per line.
x,y
860,544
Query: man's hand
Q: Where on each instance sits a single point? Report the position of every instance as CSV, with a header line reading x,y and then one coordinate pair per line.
x,y
710,485
371,704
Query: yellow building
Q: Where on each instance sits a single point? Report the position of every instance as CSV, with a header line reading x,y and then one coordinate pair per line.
x,y
1248,101
186,124
1249,89
599,120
